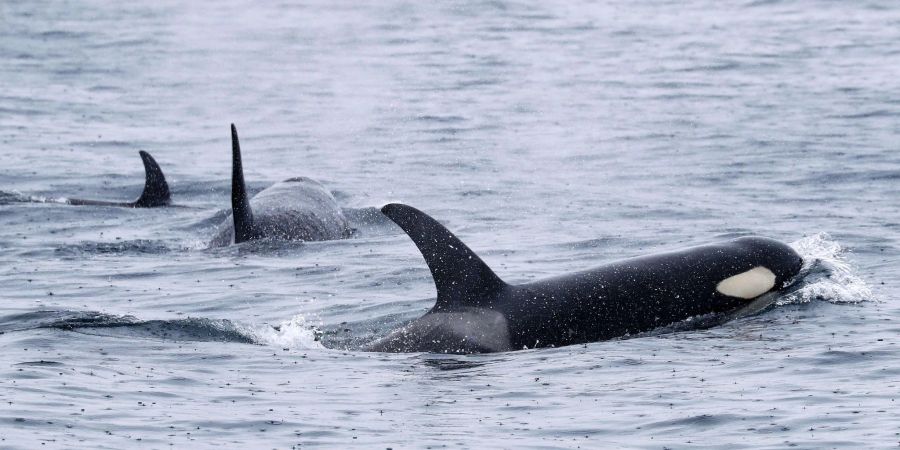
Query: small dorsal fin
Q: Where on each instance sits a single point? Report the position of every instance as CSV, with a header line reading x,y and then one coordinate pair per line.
x,y
240,203
156,190
460,276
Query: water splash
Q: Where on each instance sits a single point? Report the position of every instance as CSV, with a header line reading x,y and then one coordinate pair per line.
x,y
827,274
295,334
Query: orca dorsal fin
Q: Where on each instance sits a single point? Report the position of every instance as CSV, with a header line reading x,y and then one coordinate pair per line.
x,y
460,276
240,203
156,190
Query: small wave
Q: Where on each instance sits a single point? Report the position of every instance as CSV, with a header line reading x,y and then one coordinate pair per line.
x,y
296,333
869,114
440,119
62,34
269,246
189,329
453,362
827,275
7,197
40,363
138,246
718,66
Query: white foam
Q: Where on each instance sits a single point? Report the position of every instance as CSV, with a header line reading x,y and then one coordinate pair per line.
x,y
828,274
294,334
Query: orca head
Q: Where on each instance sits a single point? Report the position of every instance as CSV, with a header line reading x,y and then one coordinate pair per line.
x,y
774,265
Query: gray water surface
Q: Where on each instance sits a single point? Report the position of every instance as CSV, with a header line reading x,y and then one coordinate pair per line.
x,y
549,136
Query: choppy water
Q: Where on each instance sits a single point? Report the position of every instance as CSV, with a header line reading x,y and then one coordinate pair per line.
x,y
551,136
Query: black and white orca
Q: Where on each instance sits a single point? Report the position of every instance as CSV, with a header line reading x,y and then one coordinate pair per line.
x,y
296,209
477,312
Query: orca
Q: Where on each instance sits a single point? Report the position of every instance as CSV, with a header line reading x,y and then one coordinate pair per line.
x,y
156,190
477,312
296,209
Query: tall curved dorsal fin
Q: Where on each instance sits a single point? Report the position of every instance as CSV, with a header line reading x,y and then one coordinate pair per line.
x,y
156,190
460,276
240,203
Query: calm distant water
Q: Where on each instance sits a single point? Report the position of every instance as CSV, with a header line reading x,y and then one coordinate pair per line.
x,y
550,136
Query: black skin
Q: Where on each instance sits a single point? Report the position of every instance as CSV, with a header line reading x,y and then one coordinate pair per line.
x,y
156,190
298,209
240,201
620,298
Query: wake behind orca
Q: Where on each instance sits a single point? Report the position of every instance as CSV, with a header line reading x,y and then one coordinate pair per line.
x,y
298,209
155,194
475,311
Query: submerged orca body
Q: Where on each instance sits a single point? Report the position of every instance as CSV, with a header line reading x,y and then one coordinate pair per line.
x,y
477,312
156,190
296,209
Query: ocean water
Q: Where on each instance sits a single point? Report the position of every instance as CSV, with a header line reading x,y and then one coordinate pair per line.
x,y
549,136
